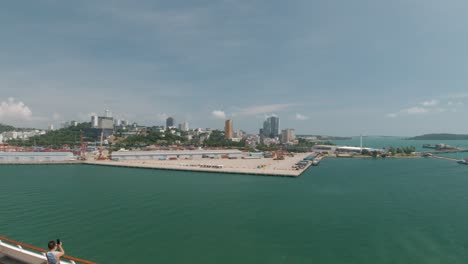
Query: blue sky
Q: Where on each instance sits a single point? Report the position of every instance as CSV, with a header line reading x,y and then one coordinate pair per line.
x,y
324,67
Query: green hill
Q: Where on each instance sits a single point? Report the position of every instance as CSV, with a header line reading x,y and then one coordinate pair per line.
x,y
5,128
56,138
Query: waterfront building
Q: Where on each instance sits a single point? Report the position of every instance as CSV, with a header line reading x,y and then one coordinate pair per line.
x,y
288,136
26,157
342,149
178,154
170,122
228,129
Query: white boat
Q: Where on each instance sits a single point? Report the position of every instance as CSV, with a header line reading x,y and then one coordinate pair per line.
x,y
14,252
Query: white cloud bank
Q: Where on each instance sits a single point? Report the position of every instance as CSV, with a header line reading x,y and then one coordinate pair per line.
x,y
431,103
430,106
218,114
417,110
12,110
301,117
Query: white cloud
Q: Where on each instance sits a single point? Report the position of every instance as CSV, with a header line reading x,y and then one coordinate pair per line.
x,y
12,110
414,110
431,103
218,114
262,109
301,117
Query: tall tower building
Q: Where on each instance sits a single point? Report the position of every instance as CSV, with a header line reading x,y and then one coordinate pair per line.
x,y
170,122
94,121
266,128
271,127
228,129
275,126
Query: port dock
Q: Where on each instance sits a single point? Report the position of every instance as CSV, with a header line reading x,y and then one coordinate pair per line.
x,y
289,167
286,166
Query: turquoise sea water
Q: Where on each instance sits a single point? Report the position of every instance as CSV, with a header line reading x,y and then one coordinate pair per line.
x,y
343,211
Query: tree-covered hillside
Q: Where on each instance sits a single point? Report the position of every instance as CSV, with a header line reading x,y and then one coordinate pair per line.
x,y
5,128
442,136
56,138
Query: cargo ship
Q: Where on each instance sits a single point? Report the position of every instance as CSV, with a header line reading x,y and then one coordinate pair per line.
x,y
14,252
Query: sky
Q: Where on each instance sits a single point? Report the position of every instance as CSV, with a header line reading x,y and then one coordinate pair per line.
x,y
326,67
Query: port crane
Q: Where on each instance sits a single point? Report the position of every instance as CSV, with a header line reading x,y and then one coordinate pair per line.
x,y
83,147
101,156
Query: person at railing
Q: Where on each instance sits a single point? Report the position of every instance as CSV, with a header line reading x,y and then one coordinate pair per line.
x,y
53,256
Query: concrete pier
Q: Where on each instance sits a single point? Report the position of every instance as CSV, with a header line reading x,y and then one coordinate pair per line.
x,y
263,166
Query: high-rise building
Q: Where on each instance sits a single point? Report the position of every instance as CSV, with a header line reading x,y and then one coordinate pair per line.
x,y
94,121
288,136
184,126
271,127
266,128
275,126
228,129
170,122
105,122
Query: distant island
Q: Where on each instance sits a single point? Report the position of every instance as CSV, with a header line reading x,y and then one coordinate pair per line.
x,y
442,136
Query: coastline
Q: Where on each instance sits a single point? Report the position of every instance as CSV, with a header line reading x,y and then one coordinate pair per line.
x,y
259,167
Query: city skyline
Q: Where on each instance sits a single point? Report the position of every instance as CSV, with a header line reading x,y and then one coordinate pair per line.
x,y
343,69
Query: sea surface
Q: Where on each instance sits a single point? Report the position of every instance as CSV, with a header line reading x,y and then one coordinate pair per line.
x,y
343,211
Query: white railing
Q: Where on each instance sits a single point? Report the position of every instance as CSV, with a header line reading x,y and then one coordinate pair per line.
x,y
30,254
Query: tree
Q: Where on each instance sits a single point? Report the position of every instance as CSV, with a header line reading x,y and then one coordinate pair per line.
x,y
57,138
6,128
